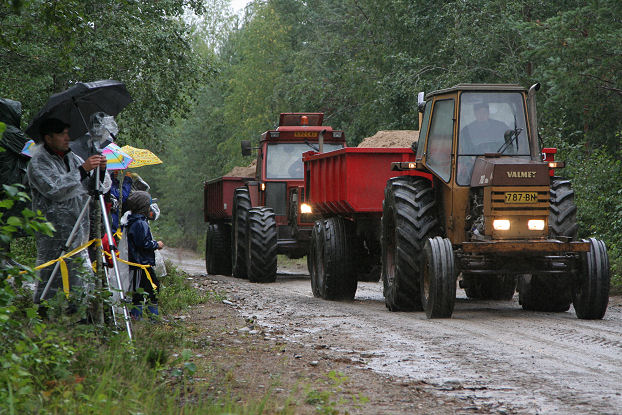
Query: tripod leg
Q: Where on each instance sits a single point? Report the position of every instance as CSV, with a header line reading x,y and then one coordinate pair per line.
x,y
115,266
66,248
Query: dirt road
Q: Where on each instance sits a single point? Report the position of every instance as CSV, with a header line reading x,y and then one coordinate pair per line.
x,y
491,352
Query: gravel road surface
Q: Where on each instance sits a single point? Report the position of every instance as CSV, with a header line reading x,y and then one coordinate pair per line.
x,y
491,352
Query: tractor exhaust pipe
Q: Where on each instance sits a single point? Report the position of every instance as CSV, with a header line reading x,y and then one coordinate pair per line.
x,y
534,146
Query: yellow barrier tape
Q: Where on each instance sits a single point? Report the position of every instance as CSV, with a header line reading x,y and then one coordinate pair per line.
x,y
144,267
64,272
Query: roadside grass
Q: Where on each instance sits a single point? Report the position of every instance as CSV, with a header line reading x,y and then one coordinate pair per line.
x,y
86,369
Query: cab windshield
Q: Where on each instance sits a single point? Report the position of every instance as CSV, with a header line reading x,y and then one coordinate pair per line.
x,y
284,160
490,122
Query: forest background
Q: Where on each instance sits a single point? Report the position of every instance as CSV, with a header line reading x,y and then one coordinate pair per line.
x,y
203,78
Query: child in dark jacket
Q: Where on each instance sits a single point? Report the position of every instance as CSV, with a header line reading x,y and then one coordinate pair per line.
x,y
141,249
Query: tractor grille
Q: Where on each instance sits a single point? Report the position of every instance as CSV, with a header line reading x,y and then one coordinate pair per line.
x,y
276,197
520,200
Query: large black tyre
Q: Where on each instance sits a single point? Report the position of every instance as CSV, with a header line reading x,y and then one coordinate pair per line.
x,y
590,296
218,249
408,220
333,275
261,248
241,206
553,293
438,279
489,287
562,210
550,293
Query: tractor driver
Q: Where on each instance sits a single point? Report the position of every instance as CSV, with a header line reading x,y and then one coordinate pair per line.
x,y
483,135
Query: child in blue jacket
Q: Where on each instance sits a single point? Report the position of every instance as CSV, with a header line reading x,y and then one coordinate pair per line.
x,y
141,249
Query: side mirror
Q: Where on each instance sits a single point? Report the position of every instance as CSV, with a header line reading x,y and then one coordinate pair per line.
x,y
246,147
421,101
413,146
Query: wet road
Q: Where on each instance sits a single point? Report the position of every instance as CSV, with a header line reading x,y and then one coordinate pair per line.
x,y
489,351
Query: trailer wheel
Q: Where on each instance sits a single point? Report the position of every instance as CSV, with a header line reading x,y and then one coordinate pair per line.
x,y
590,296
438,279
562,209
218,249
489,287
261,248
408,220
550,293
241,205
335,276
315,257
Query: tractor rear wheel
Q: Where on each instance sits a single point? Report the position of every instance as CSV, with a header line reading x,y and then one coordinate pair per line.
x,y
408,220
218,249
438,279
241,205
261,247
489,287
550,293
591,294
540,292
562,209
333,269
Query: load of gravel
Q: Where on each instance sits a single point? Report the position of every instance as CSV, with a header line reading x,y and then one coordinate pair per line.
x,y
391,139
248,171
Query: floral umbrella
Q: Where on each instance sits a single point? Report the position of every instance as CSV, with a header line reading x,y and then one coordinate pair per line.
x,y
142,157
116,158
28,147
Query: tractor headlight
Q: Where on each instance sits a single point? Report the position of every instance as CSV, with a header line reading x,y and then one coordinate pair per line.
x,y
535,224
305,208
501,224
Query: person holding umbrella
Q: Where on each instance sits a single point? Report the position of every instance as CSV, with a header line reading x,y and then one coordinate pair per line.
x,y
60,182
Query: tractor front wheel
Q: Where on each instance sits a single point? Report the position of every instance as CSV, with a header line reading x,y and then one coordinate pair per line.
x,y
438,279
261,248
590,296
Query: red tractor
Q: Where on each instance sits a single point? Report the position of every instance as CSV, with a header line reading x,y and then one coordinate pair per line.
x,y
252,219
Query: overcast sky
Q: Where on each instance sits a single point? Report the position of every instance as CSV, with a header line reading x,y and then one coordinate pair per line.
x,y
238,5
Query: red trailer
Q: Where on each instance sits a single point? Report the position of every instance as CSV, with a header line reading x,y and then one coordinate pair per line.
x,y
344,193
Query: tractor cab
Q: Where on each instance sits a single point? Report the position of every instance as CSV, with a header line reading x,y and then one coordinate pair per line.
x,y
479,142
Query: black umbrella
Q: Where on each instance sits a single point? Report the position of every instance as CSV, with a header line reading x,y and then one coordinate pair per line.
x,y
76,105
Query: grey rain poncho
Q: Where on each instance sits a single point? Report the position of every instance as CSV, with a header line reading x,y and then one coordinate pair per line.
x,y
60,195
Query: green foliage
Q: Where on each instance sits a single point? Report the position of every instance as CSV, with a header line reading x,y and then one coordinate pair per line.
x,y
176,292
29,351
323,400
47,46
